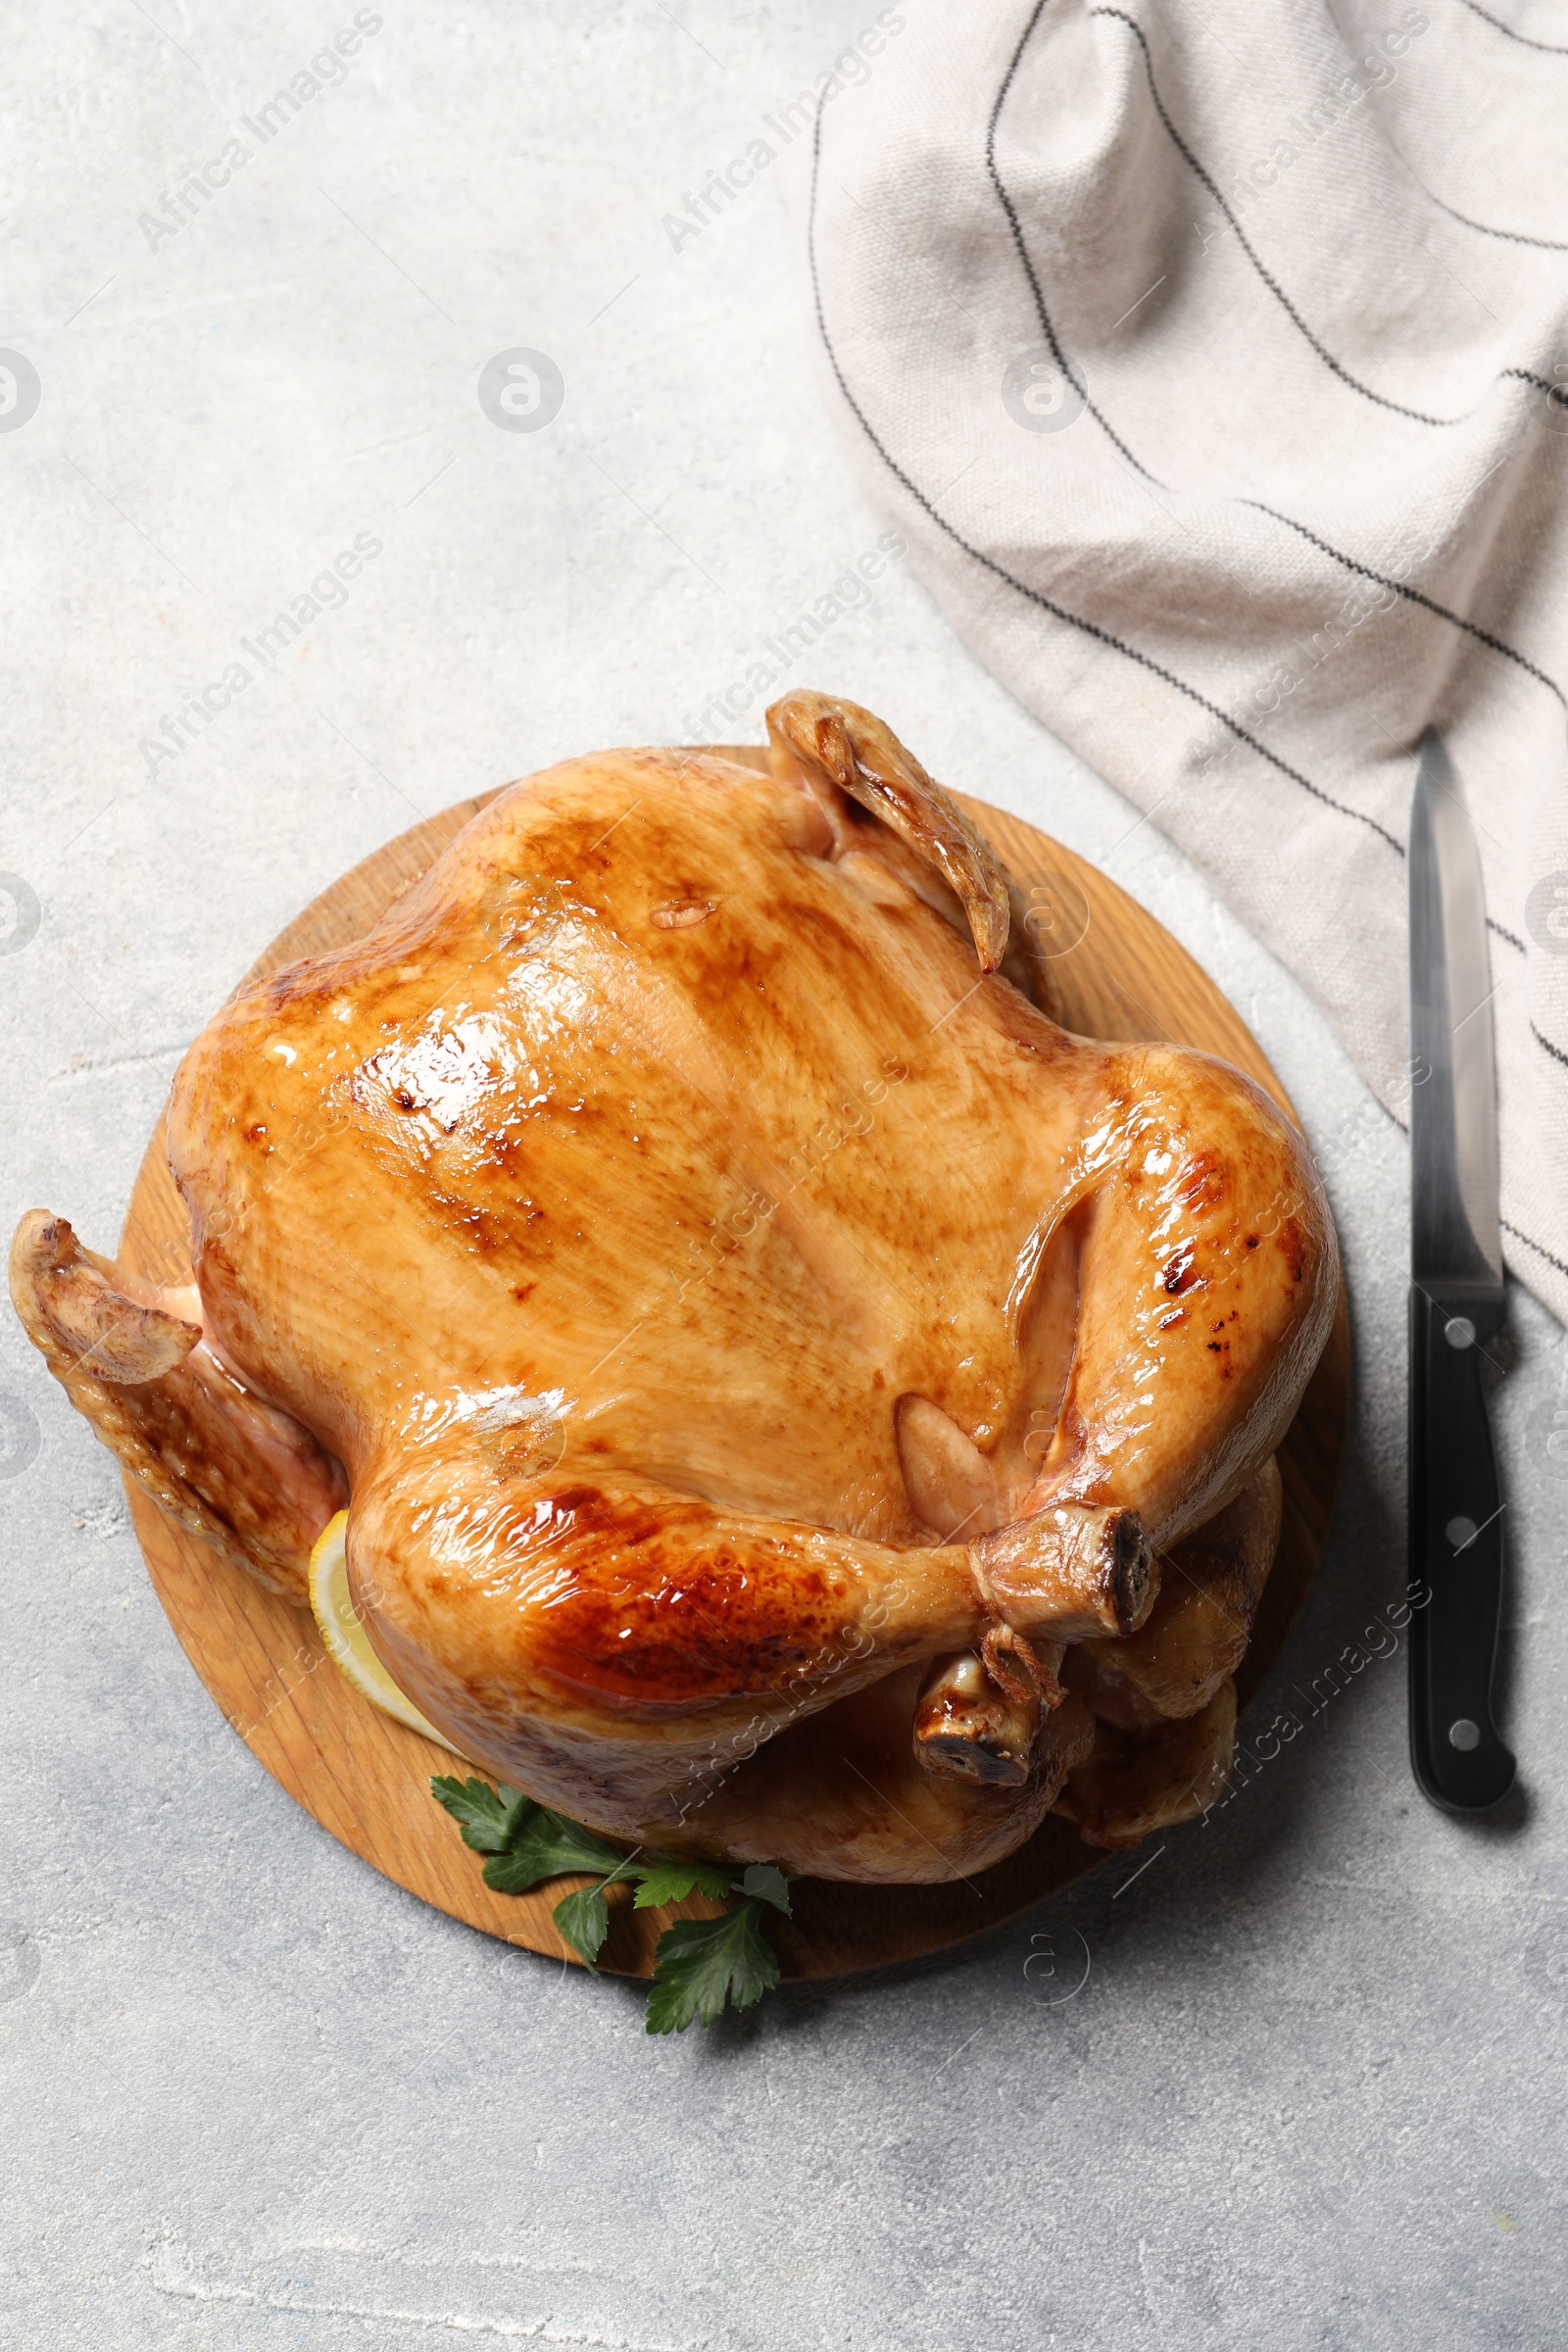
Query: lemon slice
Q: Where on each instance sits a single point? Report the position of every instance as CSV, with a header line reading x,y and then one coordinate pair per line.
x,y
346,1641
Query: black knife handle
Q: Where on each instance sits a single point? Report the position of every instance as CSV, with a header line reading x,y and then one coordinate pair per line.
x,y
1455,1575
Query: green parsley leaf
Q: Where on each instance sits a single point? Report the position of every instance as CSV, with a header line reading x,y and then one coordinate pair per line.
x,y
548,1845
701,1962
768,1881
583,1919
489,1817
525,1840
665,1881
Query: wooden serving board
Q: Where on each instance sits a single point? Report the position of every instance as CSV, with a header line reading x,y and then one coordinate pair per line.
x,y
1116,974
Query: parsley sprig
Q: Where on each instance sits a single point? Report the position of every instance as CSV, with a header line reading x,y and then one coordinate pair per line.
x,y
699,1964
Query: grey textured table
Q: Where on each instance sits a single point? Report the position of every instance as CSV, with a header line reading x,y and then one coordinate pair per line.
x,y
1297,2083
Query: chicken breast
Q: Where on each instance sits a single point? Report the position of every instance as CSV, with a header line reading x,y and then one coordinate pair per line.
x,y
723,1294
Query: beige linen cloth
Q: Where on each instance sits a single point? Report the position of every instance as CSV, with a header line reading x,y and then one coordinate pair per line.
x,y
1206,357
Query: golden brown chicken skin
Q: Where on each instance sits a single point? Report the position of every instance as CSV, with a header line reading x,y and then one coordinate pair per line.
x,y
720,1291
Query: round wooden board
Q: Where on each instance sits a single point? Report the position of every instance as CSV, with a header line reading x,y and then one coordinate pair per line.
x,y
1117,974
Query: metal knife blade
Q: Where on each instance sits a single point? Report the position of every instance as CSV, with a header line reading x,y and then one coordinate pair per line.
x,y
1456,1302
1455,1230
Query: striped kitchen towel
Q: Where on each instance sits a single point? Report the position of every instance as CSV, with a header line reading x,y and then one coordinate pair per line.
x,y
1213,360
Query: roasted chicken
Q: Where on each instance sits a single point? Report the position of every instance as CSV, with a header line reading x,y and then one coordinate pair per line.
x,y
793,1401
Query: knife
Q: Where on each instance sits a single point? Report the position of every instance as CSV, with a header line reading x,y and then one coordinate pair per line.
x,y
1456,1305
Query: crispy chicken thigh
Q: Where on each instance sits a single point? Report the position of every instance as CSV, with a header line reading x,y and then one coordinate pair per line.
x,y
769,1365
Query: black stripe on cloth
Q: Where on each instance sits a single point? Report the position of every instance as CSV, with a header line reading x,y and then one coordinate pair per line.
x,y
1535,1246
1549,48
1418,416
1514,237
1556,392
1556,1051
1509,935
1075,620
1014,222
1416,596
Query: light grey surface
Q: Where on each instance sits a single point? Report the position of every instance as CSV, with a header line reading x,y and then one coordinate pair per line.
x,y
1309,2093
